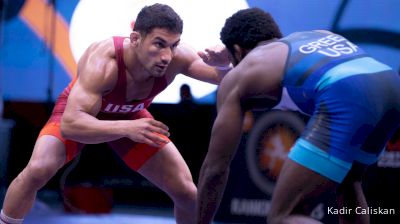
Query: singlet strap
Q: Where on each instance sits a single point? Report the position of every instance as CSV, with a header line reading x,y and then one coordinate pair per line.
x,y
120,87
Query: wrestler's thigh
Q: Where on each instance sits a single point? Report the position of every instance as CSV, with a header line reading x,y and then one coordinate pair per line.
x,y
167,169
49,152
295,186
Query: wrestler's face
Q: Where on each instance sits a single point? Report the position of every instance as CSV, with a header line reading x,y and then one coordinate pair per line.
x,y
156,50
237,54
232,58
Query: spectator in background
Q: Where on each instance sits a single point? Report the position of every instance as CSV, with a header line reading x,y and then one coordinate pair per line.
x,y
187,102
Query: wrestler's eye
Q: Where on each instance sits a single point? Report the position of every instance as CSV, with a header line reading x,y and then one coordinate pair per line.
x,y
175,46
160,45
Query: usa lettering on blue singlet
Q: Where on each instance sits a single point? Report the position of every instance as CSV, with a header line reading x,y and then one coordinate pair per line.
x,y
331,46
118,108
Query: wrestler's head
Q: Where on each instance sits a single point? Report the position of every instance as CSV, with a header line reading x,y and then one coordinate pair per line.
x,y
247,28
158,16
156,34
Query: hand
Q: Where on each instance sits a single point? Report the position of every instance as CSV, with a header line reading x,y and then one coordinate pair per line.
x,y
217,55
148,131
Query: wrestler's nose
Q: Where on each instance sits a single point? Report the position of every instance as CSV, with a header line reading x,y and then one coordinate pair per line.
x,y
166,55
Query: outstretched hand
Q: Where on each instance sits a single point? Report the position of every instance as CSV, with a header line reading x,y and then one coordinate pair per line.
x,y
148,131
216,55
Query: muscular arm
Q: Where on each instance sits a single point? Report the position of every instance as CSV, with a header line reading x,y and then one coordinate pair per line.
x,y
79,122
250,78
97,72
195,66
225,137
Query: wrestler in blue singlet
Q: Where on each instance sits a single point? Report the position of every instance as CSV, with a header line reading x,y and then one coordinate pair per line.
x,y
347,94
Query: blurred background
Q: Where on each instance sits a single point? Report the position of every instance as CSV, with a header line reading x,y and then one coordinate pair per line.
x,y
42,40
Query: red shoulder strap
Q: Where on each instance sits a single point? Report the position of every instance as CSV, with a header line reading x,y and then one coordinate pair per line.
x,y
119,91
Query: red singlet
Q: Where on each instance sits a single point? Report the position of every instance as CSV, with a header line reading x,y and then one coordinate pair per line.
x,y
114,107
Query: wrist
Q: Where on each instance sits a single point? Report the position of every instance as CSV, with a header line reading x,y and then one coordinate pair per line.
x,y
224,67
119,128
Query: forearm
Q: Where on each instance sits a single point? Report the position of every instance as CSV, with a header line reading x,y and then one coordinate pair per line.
x,y
208,73
214,173
212,183
220,72
87,129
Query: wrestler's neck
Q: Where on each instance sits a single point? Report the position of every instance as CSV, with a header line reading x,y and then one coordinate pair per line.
x,y
134,67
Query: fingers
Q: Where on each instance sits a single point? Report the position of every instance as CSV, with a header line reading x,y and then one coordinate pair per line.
x,y
216,50
211,51
151,138
154,134
159,127
148,131
215,56
158,130
204,56
151,143
155,139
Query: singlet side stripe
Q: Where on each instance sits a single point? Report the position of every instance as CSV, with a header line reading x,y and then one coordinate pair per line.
x,y
365,65
321,67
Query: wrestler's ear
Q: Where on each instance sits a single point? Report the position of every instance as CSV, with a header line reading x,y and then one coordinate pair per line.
x,y
238,53
134,37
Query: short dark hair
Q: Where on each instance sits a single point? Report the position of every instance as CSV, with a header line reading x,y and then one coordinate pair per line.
x,y
158,16
248,27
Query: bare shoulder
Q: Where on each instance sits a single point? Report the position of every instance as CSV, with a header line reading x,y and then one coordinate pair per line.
x,y
97,52
97,68
261,71
266,59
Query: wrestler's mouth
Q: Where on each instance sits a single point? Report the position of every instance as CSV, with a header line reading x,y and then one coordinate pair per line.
x,y
161,67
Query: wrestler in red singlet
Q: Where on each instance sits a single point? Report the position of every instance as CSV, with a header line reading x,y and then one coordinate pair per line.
x,y
114,107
